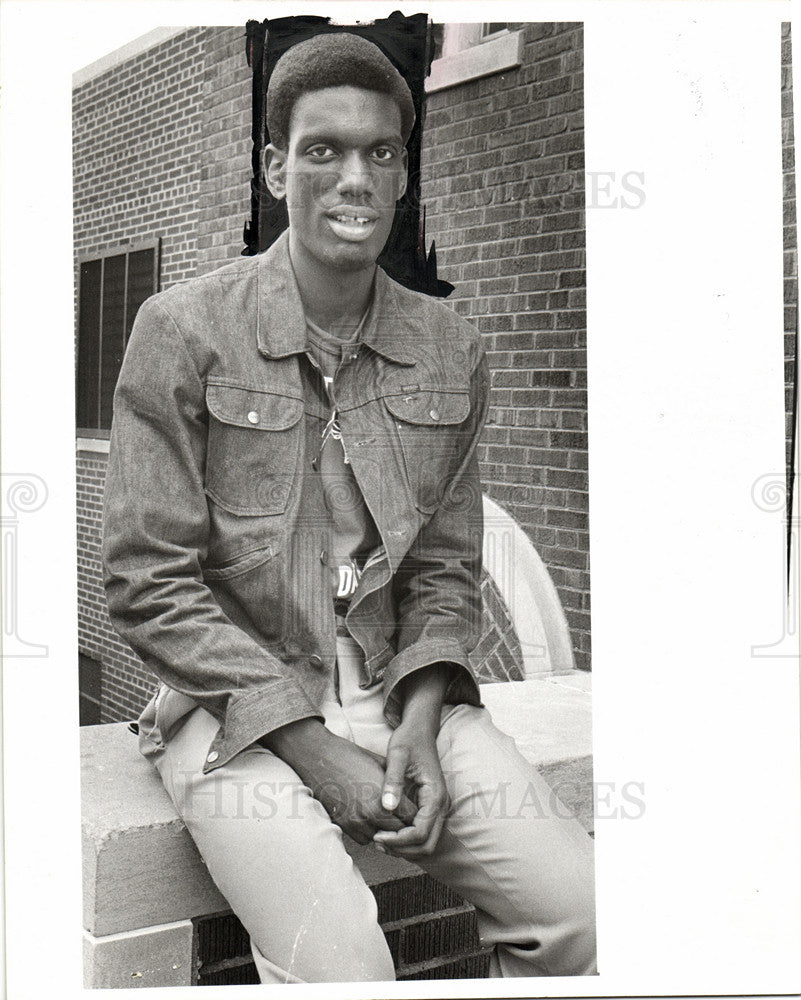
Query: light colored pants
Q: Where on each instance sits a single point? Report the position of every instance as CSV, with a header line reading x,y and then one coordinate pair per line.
x,y
508,846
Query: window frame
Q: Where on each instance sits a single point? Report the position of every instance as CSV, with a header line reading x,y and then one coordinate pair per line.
x,y
86,435
469,54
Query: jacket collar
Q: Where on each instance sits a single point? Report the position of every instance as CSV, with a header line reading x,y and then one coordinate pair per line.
x,y
390,330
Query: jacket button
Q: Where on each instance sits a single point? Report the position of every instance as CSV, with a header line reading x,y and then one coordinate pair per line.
x,y
253,417
212,757
434,414
315,660
324,557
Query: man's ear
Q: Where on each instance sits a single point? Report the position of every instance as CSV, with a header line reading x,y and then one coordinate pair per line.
x,y
273,166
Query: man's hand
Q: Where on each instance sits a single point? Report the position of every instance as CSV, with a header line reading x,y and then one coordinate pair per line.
x,y
348,781
413,766
343,777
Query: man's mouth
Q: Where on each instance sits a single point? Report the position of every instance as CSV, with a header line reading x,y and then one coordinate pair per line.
x,y
352,224
361,219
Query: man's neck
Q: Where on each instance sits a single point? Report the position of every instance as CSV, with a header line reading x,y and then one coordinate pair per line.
x,y
334,301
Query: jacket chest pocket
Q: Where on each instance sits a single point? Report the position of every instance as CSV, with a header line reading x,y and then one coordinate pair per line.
x,y
431,439
253,448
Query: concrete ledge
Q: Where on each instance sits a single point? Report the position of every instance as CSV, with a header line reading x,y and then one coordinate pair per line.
x,y
123,54
550,718
141,867
99,446
151,956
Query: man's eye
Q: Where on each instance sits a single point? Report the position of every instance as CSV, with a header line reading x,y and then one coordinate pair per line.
x,y
383,153
320,152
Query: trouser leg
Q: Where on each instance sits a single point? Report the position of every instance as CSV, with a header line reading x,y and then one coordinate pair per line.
x,y
278,860
512,849
509,845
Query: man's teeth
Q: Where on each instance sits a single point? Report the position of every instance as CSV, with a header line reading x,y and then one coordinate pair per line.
x,y
362,220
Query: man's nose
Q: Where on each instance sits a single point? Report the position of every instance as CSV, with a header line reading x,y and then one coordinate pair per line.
x,y
355,176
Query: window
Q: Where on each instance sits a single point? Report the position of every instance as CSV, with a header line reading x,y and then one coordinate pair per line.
x,y
468,51
89,685
111,289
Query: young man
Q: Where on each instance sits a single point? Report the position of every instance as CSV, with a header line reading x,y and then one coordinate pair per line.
x,y
293,544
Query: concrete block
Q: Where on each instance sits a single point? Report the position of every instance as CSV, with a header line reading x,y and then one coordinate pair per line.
x,y
550,718
140,866
153,956
377,868
571,781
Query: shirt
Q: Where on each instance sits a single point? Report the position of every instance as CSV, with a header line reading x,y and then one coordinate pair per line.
x,y
355,533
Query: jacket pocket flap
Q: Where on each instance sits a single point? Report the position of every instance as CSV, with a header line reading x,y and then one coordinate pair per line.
x,y
430,407
253,408
239,565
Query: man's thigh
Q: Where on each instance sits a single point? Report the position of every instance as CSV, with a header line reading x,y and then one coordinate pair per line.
x,y
278,860
514,850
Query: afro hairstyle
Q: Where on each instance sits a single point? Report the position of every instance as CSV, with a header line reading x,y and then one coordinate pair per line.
x,y
338,59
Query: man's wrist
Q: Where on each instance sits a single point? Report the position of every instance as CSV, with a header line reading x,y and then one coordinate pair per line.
x,y
297,740
423,692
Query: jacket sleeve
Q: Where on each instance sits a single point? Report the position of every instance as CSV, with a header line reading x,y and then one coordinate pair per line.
x,y
155,539
437,586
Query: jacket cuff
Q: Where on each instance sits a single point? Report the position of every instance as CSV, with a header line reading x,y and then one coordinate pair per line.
x,y
462,688
255,714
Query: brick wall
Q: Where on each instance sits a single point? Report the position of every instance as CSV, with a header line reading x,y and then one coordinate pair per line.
x,y
503,184
123,681
161,148
136,154
790,241
225,147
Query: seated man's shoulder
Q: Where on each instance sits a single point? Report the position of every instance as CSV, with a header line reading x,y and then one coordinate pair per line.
x,y
439,317
213,290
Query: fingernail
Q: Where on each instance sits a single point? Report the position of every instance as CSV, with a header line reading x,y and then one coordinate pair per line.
x,y
380,847
389,800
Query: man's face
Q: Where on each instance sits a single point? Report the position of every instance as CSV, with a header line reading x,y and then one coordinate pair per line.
x,y
342,173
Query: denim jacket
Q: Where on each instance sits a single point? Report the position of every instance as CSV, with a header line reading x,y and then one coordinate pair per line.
x,y
215,530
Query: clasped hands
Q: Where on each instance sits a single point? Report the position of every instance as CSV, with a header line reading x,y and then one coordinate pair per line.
x,y
399,803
